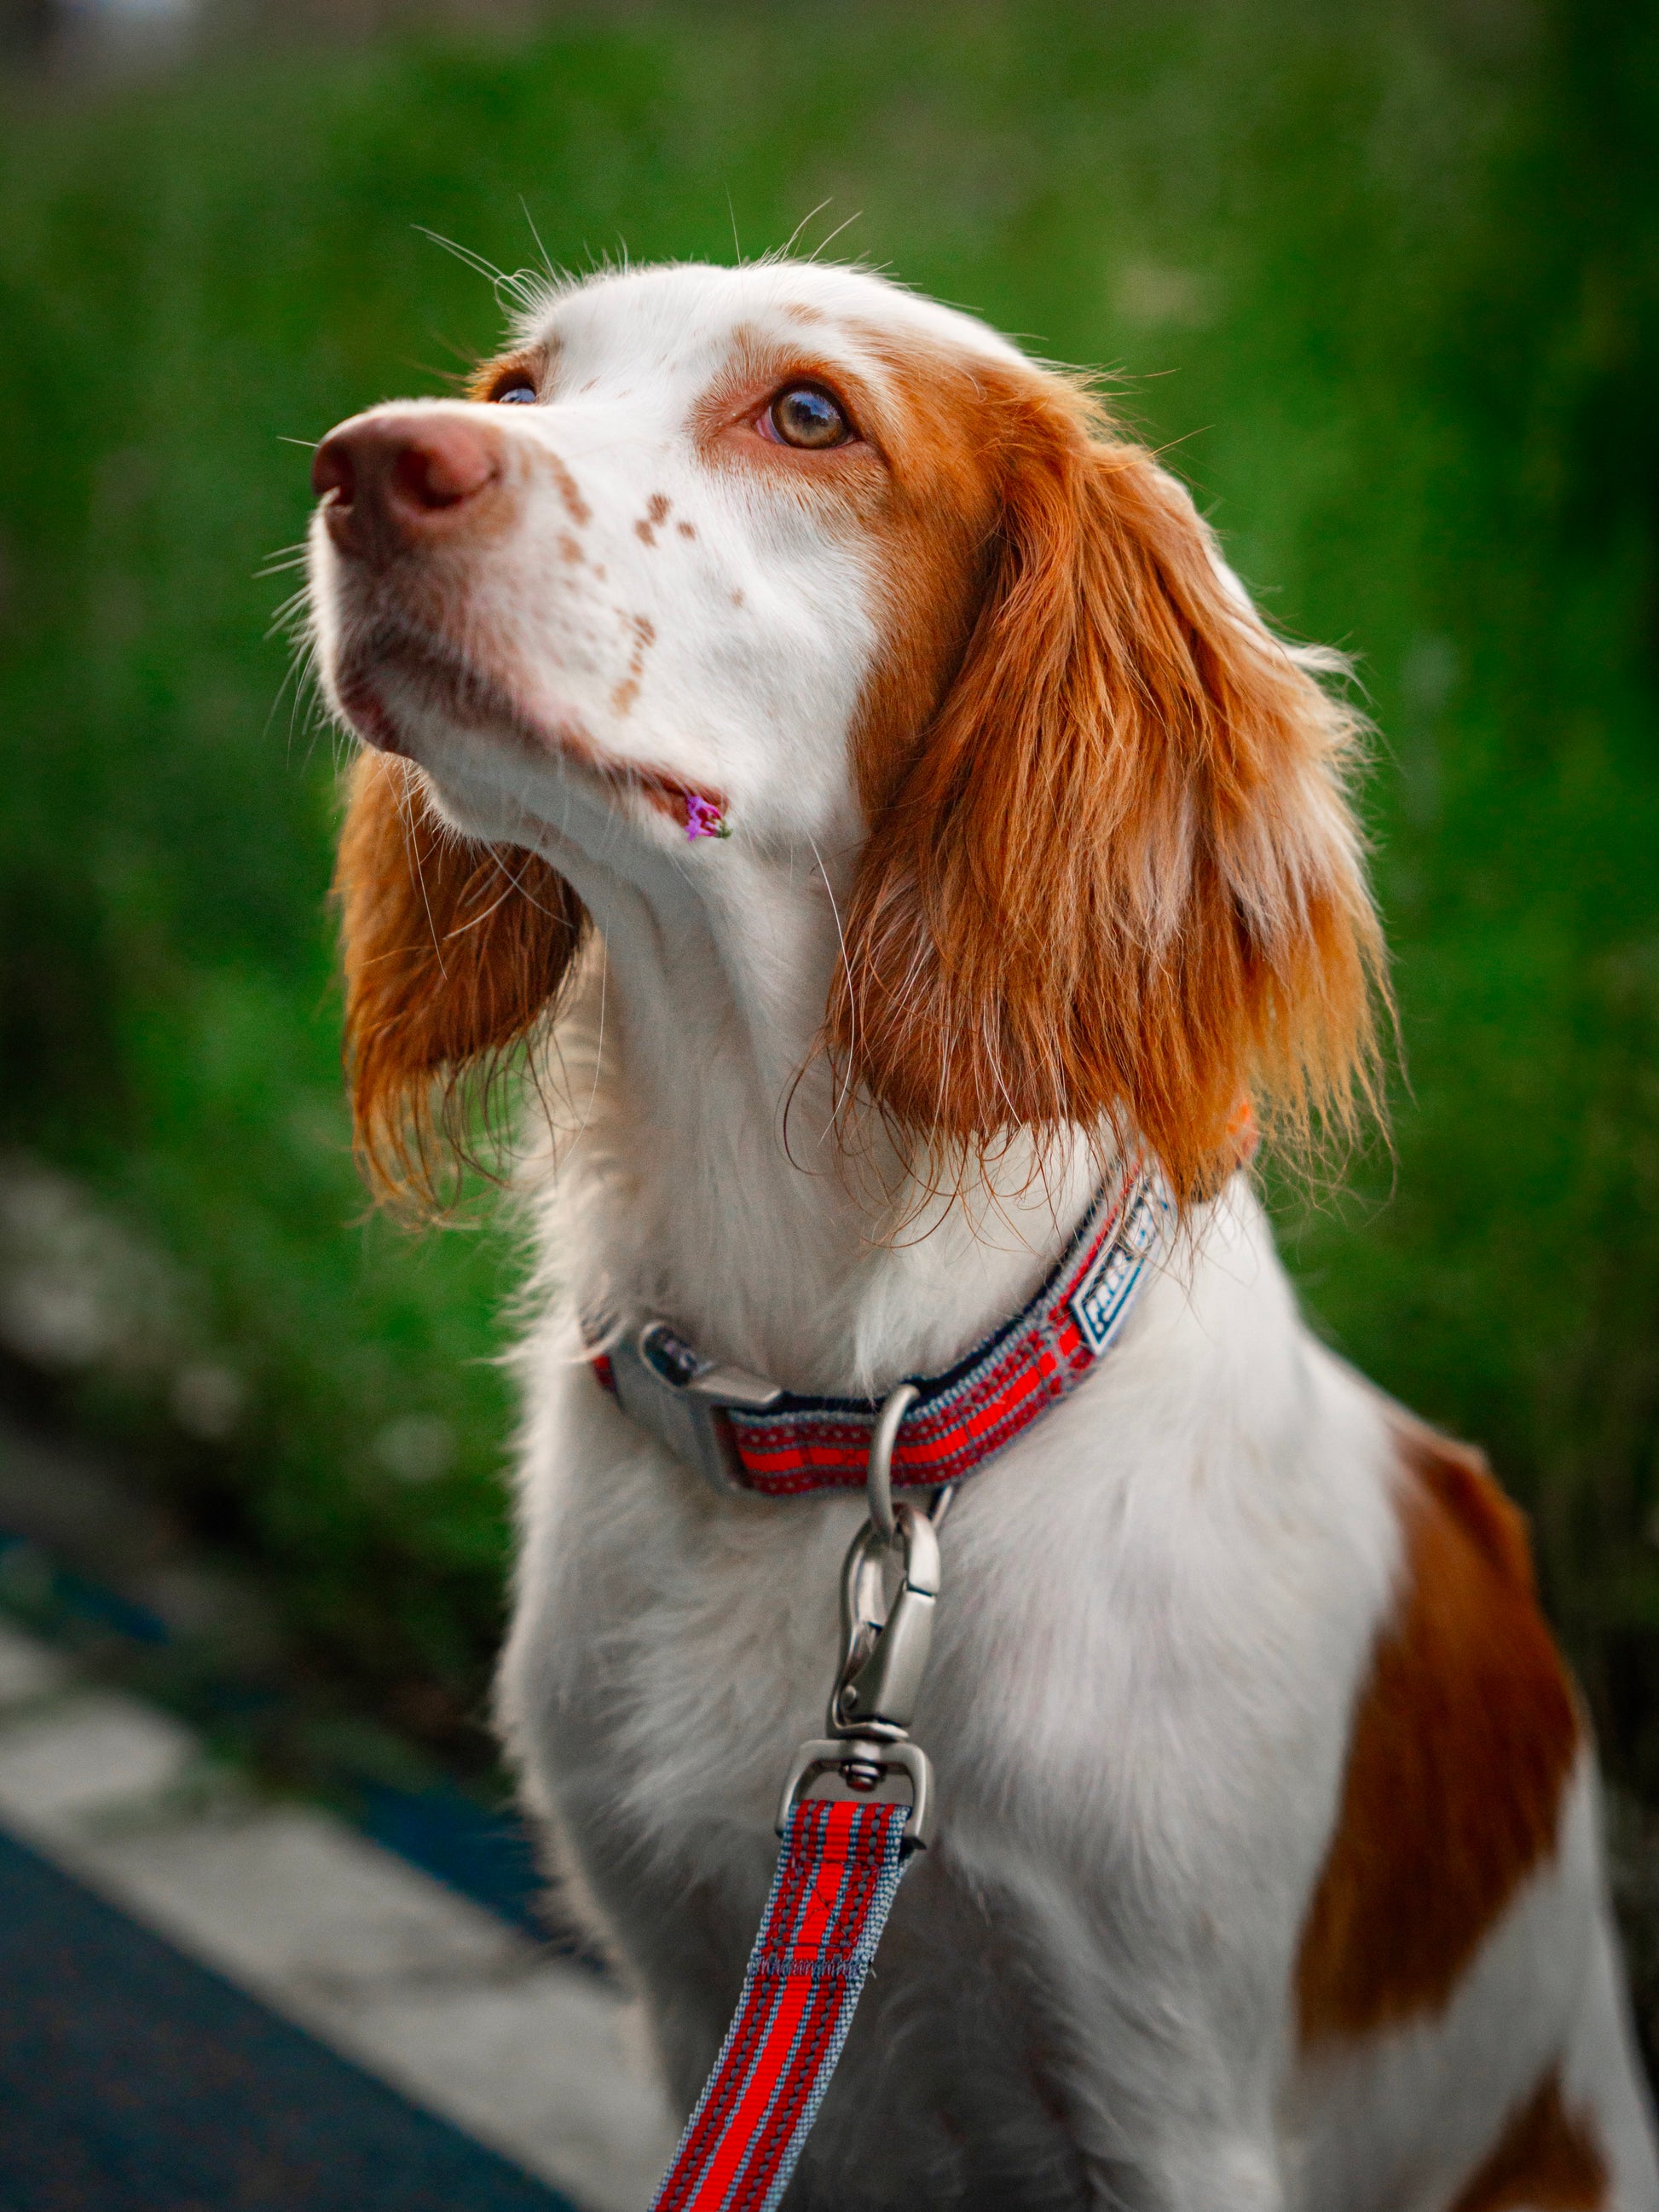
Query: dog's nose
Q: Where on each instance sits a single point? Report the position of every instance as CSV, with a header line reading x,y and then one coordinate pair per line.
x,y
389,482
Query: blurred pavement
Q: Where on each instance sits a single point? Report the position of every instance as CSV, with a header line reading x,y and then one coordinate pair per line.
x,y
527,2055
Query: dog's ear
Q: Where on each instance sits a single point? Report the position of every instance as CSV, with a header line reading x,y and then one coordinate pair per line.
x,y
1117,883
453,952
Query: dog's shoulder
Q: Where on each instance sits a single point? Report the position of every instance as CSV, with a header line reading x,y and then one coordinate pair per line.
x,y
1451,1497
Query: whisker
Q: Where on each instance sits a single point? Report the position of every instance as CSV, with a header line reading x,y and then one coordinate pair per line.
x,y
783,252
516,882
547,260
851,992
599,1055
825,243
474,261
411,846
283,620
517,288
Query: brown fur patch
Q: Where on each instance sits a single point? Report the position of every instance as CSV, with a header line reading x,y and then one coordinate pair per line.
x,y
1545,2161
1111,876
453,951
1462,1742
532,363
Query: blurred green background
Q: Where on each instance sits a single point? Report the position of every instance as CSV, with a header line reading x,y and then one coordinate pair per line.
x,y
1383,283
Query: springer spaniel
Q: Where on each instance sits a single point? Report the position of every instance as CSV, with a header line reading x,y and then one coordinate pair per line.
x,y
858,745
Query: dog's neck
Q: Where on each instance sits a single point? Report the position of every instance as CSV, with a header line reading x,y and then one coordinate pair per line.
x,y
716,1174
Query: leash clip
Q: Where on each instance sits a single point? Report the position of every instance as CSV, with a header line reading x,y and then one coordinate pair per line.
x,y
886,1646
867,1753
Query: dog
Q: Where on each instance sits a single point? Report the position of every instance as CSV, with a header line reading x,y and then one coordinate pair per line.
x,y
838,758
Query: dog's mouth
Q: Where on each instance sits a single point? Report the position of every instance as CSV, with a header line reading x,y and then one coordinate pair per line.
x,y
449,685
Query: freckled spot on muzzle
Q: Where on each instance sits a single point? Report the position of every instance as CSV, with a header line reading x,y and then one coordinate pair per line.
x,y
656,512
574,505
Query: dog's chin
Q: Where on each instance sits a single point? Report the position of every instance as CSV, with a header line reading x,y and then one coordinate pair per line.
x,y
397,686
413,694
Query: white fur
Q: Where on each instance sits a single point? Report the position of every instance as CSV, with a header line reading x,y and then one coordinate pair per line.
x,y
1158,1605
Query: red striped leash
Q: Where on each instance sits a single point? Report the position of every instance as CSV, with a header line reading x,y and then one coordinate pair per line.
x,y
856,1807
838,1873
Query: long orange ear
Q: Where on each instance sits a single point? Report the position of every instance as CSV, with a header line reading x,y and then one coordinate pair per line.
x,y
1117,883
453,952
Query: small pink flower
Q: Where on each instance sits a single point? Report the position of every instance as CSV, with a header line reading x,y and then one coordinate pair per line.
x,y
702,817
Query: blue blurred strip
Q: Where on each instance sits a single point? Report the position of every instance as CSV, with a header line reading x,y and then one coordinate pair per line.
x,y
67,1601
485,1853
133,2079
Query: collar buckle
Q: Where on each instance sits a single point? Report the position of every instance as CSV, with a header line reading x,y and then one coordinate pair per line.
x,y
682,1399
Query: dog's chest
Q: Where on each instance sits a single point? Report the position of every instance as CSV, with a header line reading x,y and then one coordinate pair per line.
x,y
1143,1654
1154,1610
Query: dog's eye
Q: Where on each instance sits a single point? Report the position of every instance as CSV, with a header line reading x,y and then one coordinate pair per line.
x,y
805,415
515,390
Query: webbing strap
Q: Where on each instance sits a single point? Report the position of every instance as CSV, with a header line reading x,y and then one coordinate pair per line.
x,y
838,1873
960,1419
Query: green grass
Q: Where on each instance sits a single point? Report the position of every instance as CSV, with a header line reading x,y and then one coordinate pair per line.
x,y
1385,284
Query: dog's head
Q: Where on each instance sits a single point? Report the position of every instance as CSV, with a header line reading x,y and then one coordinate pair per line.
x,y
788,554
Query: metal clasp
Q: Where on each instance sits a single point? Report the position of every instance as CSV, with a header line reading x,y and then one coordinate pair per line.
x,y
886,1646
682,1399
867,1753
869,1773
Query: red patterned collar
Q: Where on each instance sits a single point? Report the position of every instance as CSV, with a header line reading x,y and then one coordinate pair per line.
x,y
747,1435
